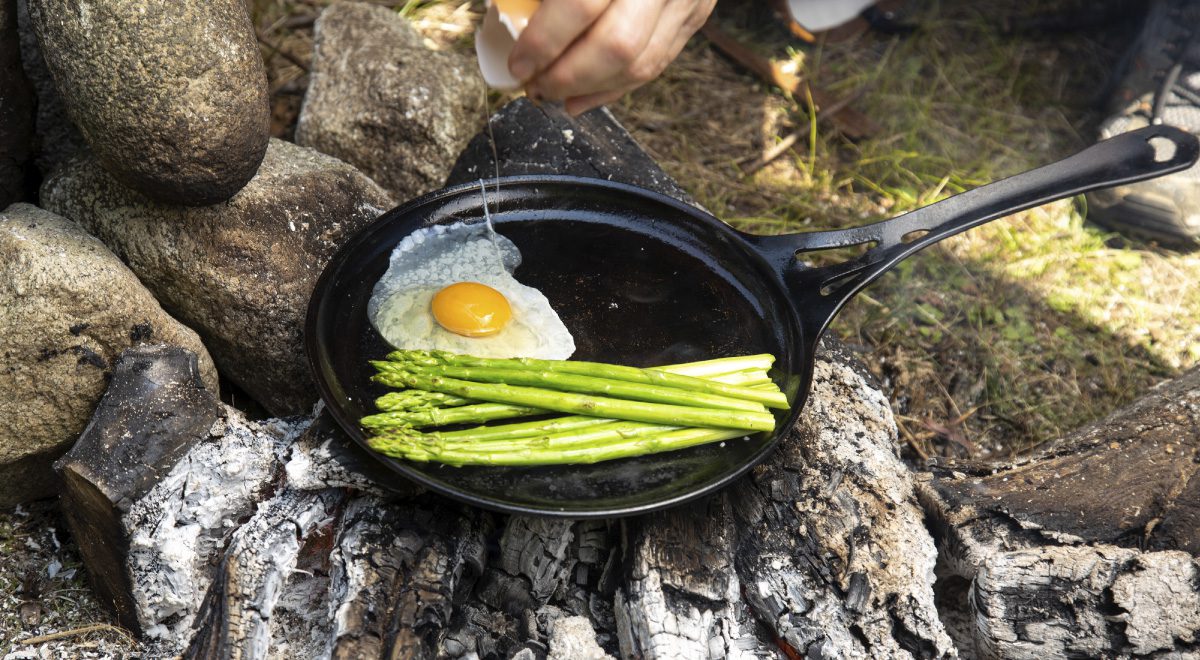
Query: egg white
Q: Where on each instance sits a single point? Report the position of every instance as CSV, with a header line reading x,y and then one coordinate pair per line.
x,y
432,258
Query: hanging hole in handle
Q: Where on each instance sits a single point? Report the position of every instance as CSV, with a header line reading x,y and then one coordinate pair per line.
x,y
1164,149
833,255
833,285
913,235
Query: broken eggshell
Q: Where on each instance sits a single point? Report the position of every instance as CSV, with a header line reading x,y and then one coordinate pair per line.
x,y
820,15
502,26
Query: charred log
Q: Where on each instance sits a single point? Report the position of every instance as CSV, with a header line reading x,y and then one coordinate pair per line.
x,y
1087,548
835,557
133,498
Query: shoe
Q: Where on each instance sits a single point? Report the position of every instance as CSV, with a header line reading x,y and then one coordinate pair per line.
x,y
1161,86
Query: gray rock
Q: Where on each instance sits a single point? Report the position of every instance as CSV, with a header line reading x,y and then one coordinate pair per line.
x,y
382,101
70,308
16,109
239,272
56,137
171,96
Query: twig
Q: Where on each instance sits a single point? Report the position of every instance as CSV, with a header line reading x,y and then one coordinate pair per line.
x,y
791,140
763,67
302,21
74,632
849,121
775,151
912,441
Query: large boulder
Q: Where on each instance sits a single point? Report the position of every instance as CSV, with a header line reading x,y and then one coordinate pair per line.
x,y
171,96
56,137
239,272
384,102
70,308
16,109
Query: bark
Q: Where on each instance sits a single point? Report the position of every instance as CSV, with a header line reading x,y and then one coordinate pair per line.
x,y
1087,548
836,558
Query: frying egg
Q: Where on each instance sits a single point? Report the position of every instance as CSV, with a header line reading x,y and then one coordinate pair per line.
x,y
502,25
451,288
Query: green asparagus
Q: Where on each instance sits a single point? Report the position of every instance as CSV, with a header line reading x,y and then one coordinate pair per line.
x,y
585,452
418,400
582,404
480,412
570,382
612,411
549,373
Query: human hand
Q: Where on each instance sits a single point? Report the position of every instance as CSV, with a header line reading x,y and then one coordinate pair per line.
x,y
591,52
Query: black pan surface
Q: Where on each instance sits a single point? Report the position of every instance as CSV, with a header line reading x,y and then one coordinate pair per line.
x,y
637,278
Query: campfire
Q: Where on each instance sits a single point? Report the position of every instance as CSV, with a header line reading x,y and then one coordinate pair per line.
x,y
251,525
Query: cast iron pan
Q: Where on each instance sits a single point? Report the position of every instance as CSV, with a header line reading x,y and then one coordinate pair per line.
x,y
643,279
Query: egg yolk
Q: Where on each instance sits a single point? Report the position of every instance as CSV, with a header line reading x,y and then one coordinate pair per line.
x,y
471,309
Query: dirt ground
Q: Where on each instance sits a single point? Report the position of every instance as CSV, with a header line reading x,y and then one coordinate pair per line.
x,y
988,345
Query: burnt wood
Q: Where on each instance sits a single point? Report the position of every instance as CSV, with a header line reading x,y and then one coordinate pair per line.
x,y
526,138
154,411
1088,547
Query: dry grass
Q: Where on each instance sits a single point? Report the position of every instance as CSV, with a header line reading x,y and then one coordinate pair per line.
x,y
46,607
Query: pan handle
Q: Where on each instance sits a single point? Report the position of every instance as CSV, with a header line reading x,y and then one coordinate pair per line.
x,y
820,293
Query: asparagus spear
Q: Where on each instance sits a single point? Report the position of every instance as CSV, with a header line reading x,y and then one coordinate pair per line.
x,y
581,404
569,382
583,452
409,400
480,412
595,435
519,429
553,374
422,400
706,368
747,378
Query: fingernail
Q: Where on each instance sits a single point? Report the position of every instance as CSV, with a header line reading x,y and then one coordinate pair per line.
x,y
521,69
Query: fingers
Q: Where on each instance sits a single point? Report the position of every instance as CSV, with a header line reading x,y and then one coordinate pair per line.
x,y
551,29
676,25
578,105
591,52
597,61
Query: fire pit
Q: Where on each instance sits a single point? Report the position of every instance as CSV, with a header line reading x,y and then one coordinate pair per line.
x,y
213,530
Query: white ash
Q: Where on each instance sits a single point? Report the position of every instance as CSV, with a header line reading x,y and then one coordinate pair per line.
x,y
261,559
181,524
312,465
300,625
